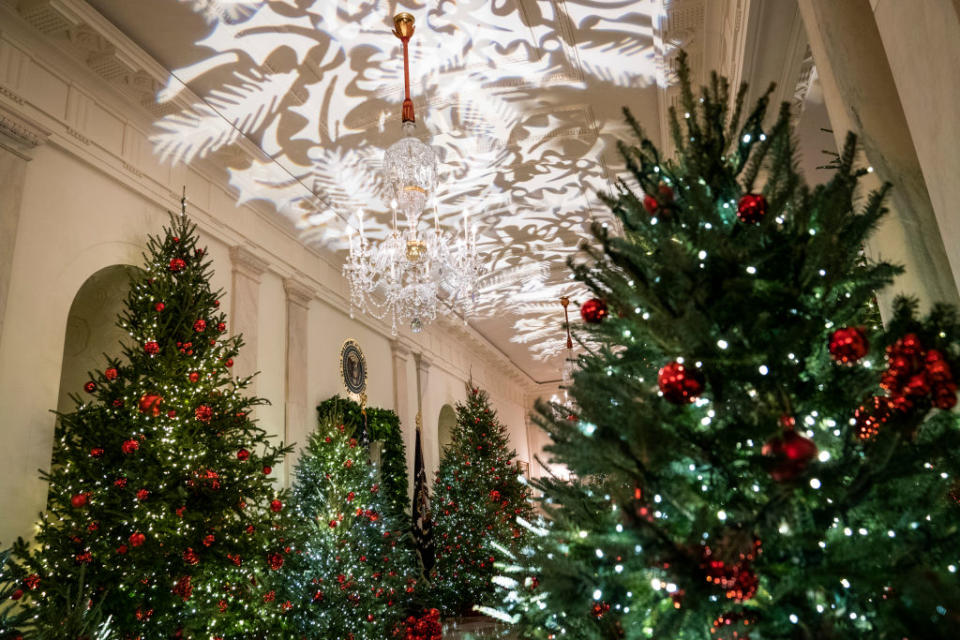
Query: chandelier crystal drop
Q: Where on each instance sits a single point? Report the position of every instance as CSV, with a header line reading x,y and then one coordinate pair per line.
x,y
415,270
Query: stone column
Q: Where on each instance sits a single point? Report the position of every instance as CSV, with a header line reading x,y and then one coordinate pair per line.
x,y
296,413
401,404
18,139
245,311
861,96
922,45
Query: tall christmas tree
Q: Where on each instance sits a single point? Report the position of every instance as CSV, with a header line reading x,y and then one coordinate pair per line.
x,y
760,461
159,488
478,495
355,572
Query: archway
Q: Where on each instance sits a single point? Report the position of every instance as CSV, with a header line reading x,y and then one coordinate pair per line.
x,y
92,329
445,425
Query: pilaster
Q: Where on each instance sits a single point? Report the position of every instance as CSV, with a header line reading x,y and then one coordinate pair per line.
x,y
19,137
296,414
245,311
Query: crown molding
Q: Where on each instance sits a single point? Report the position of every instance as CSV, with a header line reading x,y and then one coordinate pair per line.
x,y
20,135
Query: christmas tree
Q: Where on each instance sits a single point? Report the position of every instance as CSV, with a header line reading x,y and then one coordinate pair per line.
x,y
159,488
478,495
757,459
355,573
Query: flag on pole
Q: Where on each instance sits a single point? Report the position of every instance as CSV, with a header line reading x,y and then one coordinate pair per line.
x,y
422,527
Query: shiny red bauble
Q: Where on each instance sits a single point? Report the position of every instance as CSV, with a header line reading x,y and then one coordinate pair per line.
x,y
150,403
848,345
96,452
194,376
791,453
137,539
752,208
90,387
870,417
129,446
177,264
655,205
203,413
267,470
243,455
78,501
593,311
679,383
151,347
200,325
276,506
111,374
160,307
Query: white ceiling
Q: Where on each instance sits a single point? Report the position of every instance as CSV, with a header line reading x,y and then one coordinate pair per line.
x,y
521,98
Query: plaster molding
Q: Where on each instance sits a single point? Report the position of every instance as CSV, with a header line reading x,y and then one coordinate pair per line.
x,y
20,135
399,350
247,263
298,292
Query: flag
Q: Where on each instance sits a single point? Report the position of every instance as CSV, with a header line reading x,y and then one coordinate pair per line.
x,y
422,527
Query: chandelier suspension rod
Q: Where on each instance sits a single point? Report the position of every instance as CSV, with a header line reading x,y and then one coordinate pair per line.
x,y
403,29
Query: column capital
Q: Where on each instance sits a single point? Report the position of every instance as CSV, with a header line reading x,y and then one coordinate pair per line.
x,y
298,292
399,350
20,135
247,263
423,365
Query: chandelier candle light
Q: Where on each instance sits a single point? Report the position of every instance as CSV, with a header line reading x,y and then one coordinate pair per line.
x,y
413,271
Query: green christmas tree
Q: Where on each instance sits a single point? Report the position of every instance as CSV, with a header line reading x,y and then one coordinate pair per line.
x,y
355,572
159,487
478,496
758,461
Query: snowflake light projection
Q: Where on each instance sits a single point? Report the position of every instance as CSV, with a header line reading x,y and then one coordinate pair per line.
x,y
508,93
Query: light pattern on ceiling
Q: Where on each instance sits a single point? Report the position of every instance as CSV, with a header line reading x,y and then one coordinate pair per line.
x,y
520,98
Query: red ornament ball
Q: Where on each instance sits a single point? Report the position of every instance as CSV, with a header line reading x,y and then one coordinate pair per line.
x,y
790,453
275,560
654,205
96,452
111,374
267,471
16,595
90,387
203,413
143,494
151,347
172,413
129,446
945,396
150,403
276,506
593,311
177,264
79,500
160,307
752,208
871,416
200,325
243,455
194,376
190,556
679,383
137,539
221,327
848,345
228,363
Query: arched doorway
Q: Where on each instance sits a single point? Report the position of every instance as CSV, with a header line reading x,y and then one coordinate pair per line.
x,y
445,425
92,329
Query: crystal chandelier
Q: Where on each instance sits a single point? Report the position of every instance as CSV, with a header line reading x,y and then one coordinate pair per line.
x,y
413,271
